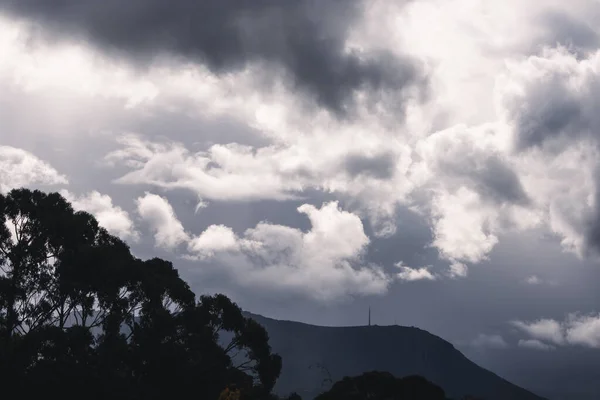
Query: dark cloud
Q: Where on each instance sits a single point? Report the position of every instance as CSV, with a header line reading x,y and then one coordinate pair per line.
x,y
548,112
306,39
498,182
380,166
564,30
557,111
591,229
490,175
557,107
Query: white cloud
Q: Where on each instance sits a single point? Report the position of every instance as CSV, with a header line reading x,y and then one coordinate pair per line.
x,y
112,217
548,100
461,226
335,233
576,329
201,204
310,149
534,344
583,330
543,329
158,213
535,165
324,263
476,193
535,280
357,170
520,98
461,158
216,238
458,270
66,67
19,168
414,274
489,341
224,172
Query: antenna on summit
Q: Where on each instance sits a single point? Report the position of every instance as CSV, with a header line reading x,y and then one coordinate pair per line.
x,y
369,315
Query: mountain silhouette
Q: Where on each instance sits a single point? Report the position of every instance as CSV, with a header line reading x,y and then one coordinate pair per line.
x,y
314,357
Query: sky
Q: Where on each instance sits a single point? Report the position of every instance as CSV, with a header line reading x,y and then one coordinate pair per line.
x,y
435,160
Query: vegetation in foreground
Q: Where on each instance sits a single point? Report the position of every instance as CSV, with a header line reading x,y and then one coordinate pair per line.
x,y
81,317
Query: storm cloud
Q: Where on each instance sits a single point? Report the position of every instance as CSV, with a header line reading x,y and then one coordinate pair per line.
x,y
222,134
306,40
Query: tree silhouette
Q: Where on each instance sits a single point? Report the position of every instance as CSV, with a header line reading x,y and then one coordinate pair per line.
x,y
81,316
378,385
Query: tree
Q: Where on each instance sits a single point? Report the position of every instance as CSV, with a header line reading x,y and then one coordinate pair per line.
x,y
79,311
378,385
42,241
230,394
236,344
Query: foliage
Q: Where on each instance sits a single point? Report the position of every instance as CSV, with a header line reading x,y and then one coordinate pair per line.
x,y
81,316
230,394
377,385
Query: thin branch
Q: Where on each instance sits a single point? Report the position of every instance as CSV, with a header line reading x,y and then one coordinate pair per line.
x,y
232,345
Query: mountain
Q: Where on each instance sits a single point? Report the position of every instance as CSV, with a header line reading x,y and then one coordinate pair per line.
x,y
316,356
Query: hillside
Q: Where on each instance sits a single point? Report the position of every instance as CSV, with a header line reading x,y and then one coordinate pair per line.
x,y
314,355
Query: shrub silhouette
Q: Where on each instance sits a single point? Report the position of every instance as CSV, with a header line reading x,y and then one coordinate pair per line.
x,y
378,385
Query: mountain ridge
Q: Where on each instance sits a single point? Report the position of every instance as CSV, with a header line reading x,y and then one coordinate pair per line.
x,y
316,356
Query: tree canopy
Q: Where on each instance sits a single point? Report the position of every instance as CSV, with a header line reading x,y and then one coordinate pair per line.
x,y
377,385
80,316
